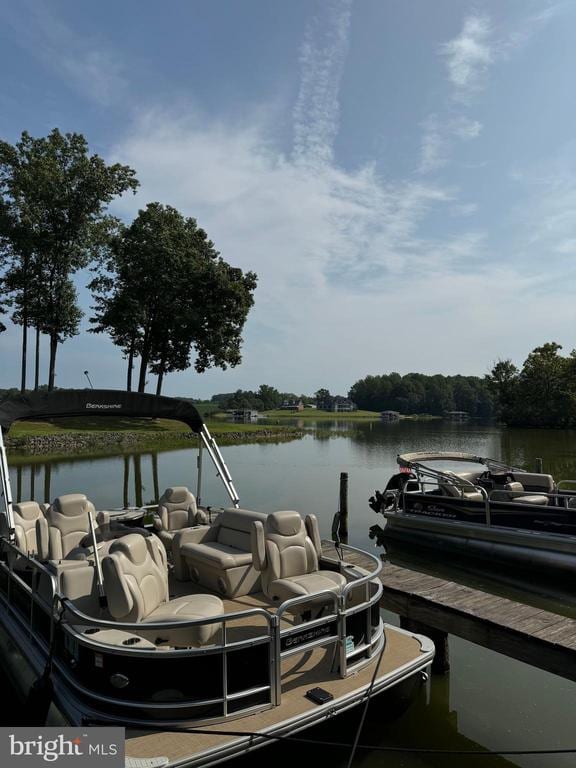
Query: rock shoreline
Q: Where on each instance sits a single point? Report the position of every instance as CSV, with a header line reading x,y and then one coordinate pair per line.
x,y
83,441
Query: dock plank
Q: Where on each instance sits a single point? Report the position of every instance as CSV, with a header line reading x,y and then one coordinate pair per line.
x,y
530,634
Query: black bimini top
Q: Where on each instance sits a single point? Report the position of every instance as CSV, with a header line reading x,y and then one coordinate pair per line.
x,y
96,402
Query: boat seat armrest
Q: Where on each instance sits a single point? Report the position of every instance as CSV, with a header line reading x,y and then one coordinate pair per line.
x,y
103,519
258,542
194,535
42,538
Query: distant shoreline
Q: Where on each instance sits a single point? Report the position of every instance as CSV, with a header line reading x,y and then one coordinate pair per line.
x,y
47,439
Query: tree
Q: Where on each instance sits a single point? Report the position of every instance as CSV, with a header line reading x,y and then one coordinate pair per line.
x,y
503,381
167,295
545,387
269,397
53,196
117,314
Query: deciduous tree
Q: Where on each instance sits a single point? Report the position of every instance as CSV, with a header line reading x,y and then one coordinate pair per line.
x,y
167,296
53,196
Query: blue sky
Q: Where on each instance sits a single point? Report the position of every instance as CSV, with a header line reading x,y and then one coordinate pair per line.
x,y
401,174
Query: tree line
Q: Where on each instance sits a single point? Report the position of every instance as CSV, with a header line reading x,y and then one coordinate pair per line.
x,y
416,393
265,398
540,394
161,290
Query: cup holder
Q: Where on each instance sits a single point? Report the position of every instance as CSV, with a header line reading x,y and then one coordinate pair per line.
x,y
131,641
91,631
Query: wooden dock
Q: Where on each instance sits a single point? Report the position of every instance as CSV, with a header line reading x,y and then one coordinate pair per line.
x,y
541,638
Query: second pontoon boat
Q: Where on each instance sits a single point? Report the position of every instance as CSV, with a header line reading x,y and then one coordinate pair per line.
x,y
491,510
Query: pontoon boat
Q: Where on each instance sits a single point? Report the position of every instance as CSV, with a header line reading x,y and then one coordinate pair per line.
x,y
490,510
214,622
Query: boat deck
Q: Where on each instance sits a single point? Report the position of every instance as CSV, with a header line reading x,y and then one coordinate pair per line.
x,y
404,654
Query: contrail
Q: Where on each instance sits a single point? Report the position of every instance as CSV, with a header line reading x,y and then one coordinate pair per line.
x,y
322,57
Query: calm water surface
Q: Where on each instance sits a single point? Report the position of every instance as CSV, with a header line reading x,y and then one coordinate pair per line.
x,y
487,700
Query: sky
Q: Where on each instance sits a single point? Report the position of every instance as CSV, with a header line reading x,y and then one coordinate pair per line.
x,y
401,174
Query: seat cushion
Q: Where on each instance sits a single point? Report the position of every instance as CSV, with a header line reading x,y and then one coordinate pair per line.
x,y
306,584
184,609
532,499
216,555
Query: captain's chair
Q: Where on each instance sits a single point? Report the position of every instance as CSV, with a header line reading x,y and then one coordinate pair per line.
x,y
286,552
459,489
67,525
27,515
176,510
136,584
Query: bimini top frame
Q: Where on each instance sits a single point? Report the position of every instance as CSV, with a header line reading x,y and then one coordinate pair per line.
x,y
105,402
418,462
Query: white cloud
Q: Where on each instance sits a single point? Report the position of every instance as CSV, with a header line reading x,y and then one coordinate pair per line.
x,y
85,63
466,129
469,55
434,150
530,26
322,58
338,253
437,139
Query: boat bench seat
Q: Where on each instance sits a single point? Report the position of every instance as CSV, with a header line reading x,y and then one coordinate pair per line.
x,y
219,556
514,491
535,481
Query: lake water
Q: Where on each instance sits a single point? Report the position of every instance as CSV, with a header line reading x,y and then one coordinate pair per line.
x,y
487,700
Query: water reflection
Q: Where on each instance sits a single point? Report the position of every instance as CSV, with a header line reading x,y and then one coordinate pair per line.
x,y
33,480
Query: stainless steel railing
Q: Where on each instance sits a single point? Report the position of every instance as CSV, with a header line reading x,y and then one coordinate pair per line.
x,y
57,606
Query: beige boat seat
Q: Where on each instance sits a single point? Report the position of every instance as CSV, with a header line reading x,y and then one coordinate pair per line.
x,y
460,490
515,492
68,524
219,556
136,584
285,550
27,514
535,482
176,510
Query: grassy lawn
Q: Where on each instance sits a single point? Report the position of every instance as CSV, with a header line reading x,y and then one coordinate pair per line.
x,y
112,424
315,415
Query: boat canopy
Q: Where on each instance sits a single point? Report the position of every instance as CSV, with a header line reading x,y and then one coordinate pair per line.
x,y
409,459
97,402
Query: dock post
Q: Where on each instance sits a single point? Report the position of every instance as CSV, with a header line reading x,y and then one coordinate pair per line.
x,y
539,466
441,663
343,511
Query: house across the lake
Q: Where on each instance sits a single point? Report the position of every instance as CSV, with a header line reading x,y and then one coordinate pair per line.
x,y
292,405
336,404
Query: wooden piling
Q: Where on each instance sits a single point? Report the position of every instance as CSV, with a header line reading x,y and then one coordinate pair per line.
x,y
539,466
343,510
